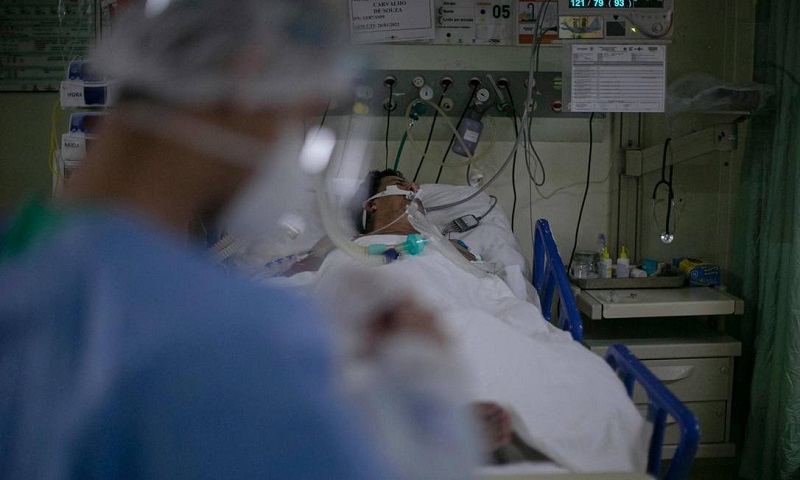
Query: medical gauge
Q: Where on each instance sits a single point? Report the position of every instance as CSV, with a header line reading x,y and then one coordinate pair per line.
x,y
615,19
482,95
426,92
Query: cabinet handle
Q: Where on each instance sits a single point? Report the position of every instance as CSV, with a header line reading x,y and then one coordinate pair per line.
x,y
672,374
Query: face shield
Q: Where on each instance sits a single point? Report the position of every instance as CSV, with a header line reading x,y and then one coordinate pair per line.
x,y
169,59
306,190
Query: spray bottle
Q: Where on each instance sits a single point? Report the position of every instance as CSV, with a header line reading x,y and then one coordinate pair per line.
x,y
623,262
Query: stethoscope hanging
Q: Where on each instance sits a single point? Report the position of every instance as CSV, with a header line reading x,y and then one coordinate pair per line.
x,y
668,235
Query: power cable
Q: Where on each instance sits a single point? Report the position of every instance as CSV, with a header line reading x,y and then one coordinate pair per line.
x,y
388,120
514,163
585,191
430,133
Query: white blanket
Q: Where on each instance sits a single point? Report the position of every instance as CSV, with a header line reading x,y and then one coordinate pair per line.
x,y
565,401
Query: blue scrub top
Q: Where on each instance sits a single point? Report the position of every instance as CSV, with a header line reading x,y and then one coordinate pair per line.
x,y
125,355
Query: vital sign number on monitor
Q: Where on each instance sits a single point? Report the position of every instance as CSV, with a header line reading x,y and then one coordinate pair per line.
x,y
616,3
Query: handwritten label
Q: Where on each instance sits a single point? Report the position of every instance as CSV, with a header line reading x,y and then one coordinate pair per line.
x,y
376,21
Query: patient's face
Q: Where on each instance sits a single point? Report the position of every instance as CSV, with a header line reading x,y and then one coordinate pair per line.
x,y
394,202
392,206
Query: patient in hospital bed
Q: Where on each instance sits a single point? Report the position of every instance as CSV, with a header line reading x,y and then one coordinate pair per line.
x,y
559,398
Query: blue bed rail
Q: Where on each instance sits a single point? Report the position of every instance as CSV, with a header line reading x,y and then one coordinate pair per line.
x,y
661,402
550,277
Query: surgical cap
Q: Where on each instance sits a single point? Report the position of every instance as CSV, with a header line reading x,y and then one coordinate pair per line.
x,y
249,53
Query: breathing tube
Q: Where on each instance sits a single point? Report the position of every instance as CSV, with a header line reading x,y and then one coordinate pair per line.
x,y
381,254
376,254
437,241
414,245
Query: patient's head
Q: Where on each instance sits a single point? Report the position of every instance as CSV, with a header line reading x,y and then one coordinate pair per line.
x,y
386,214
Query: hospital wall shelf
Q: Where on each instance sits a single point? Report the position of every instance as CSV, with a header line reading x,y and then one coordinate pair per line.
x,y
721,137
657,302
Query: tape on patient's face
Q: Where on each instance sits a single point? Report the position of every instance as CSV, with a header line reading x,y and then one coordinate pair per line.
x,y
393,190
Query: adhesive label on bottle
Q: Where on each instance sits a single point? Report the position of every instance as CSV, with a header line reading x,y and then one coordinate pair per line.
x,y
471,136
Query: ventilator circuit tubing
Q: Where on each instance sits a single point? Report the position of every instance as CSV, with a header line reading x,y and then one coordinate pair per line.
x,y
525,114
335,233
361,253
424,226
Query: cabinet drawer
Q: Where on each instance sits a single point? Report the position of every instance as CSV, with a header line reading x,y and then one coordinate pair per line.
x,y
691,379
711,416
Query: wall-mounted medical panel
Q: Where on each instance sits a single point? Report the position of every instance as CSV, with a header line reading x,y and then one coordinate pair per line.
x,y
392,92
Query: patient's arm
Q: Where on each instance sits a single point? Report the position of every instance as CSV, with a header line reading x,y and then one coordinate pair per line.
x,y
407,316
314,259
403,316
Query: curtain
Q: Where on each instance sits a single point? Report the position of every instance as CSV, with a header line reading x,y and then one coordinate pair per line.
x,y
768,251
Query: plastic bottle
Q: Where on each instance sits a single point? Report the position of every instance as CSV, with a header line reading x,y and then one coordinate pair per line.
x,y
470,130
601,243
604,265
623,262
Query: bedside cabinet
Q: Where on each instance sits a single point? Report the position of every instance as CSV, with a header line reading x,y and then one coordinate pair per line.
x,y
689,355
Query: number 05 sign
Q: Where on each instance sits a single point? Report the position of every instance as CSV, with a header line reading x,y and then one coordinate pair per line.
x,y
475,22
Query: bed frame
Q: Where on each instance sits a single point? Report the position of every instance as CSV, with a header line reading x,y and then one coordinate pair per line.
x,y
549,279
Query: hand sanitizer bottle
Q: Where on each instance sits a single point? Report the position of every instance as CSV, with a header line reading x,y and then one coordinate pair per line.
x,y
623,262
604,265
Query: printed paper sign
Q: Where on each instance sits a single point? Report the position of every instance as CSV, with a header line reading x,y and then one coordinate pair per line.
x,y
618,78
375,21
472,22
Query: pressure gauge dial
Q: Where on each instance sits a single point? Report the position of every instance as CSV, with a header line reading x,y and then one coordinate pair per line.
x,y
482,95
426,92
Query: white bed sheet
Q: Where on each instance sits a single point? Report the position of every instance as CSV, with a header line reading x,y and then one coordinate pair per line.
x,y
493,239
522,468
565,401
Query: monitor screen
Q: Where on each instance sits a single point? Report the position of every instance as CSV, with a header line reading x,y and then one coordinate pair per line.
x,y
616,3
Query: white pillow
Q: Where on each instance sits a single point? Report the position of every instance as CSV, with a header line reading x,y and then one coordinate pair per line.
x,y
492,238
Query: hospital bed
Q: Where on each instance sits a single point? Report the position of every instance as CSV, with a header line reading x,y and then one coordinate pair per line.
x,y
558,306
550,279
548,286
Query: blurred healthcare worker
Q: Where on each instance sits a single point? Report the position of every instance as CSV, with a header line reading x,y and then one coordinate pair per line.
x,y
123,352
